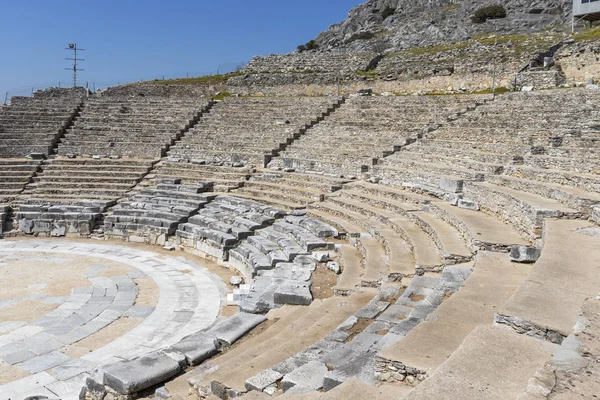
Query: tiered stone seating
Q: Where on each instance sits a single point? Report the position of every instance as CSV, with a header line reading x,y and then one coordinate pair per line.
x,y
64,180
250,131
225,178
152,215
220,225
76,219
289,190
522,178
14,175
34,125
294,329
415,241
277,262
140,127
365,129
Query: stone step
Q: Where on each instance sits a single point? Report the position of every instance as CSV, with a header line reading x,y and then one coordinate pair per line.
x,y
572,197
589,182
272,198
547,305
323,317
294,193
482,231
525,211
422,246
471,372
399,257
430,343
352,272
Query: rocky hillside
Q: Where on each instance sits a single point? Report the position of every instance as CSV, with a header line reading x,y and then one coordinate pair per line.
x,y
393,25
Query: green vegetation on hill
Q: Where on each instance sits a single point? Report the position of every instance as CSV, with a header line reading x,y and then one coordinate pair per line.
x,y
200,80
492,11
509,45
588,35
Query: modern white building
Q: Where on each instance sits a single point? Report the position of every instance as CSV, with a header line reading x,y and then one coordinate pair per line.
x,y
587,10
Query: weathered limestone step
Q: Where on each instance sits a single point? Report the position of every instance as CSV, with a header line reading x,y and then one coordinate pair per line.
x,y
400,260
525,211
548,303
429,344
573,197
423,247
471,372
481,229
448,239
352,271
323,316
376,267
274,201
587,181
344,227
396,193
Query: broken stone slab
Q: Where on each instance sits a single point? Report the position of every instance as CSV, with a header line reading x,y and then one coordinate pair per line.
x,y
321,256
198,347
293,292
129,377
318,228
236,280
467,205
263,380
451,185
234,327
305,379
524,254
335,267
596,214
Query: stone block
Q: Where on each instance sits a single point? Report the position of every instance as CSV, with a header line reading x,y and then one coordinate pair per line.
x,y
524,254
451,185
293,292
129,377
197,347
596,214
335,267
305,379
59,228
321,256
262,380
236,280
236,326
26,225
467,205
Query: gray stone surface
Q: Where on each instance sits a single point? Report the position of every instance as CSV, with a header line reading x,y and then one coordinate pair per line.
x,y
198,347
293,292
305,379
263,380
524,254
130,377
234,327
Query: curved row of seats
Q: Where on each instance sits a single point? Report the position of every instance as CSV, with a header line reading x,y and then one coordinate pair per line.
x,y
366,129
438,226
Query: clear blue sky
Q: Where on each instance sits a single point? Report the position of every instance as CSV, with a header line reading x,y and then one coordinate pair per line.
x,y
130,39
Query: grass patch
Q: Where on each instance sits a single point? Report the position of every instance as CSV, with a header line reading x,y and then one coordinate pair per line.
x,y
199,80
588,36
368,74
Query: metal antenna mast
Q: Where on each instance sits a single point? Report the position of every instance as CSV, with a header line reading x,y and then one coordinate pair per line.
x,y
73,47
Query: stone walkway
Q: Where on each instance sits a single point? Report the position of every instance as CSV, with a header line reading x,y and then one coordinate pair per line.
x,y
189,300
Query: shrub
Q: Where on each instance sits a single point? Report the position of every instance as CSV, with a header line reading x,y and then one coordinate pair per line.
x,y
388,12
493,11
312,45
301,48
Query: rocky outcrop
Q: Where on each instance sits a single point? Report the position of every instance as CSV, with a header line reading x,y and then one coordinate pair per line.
x,y
417,23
